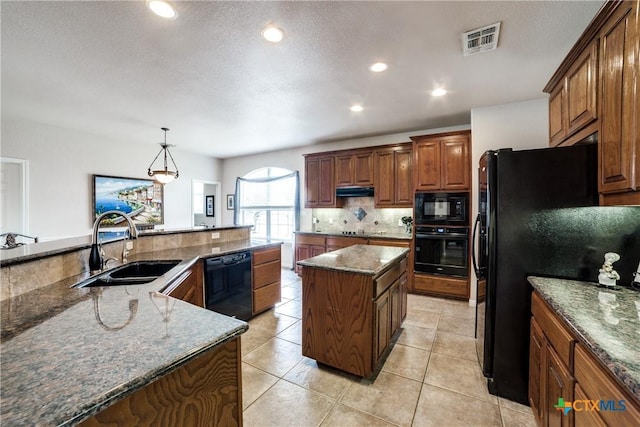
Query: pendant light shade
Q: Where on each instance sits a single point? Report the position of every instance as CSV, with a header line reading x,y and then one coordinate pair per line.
x,y
164,176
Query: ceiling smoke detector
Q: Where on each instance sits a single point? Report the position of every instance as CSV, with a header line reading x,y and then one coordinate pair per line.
x,y
481,39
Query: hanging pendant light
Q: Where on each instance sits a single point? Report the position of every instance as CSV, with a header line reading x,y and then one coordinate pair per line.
x,y
164,176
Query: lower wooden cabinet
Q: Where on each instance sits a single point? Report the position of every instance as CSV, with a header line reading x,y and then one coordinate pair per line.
x,y
441,285
308,246
204,392
560,367
266,272
189,286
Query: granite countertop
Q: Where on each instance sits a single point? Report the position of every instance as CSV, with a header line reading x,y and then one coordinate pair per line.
x,y
61,246
397,236
607,321
69,352
363,259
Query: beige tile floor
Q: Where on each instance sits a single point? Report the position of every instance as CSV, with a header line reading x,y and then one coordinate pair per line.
x,y
431,377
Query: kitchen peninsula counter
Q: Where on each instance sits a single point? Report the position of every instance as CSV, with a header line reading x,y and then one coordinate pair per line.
x,y
68,353
607,322
353,301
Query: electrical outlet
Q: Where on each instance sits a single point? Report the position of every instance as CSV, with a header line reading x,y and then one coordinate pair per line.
x,y
215,235
215,250
129,246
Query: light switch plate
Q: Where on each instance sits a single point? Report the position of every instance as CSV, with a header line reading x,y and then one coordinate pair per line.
x,y
129,245
215,235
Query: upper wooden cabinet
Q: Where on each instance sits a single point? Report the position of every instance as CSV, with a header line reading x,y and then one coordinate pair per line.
x,y
595,91
572,102
619,137
442,162
393,177
354,169
320,176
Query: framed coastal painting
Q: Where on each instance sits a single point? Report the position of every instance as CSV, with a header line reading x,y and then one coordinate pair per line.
x,y
142,199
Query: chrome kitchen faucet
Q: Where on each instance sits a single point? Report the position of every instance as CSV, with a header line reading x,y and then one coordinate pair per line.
x,y
96,262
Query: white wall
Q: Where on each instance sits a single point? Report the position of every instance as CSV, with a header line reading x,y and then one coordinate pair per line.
x,y
62,161
520,125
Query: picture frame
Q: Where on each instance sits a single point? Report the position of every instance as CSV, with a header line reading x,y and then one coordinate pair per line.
x,y
230,201
142,199
208,205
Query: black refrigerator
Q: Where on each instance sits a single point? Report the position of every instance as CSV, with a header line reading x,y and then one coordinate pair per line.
x,y
512,243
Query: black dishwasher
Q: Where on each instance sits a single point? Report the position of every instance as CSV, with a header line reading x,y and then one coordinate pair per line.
x,y
227,285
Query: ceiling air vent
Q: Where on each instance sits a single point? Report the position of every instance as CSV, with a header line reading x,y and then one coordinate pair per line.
x,y
481,39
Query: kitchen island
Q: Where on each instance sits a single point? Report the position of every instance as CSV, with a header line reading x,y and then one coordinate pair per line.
x,y
71,355
585,345
353,301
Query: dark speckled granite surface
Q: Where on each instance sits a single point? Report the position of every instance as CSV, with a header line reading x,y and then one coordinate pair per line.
x,y
363,259
607,321
67,353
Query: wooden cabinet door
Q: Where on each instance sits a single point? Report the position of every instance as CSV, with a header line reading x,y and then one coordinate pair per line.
x,y
557,116
537,345
581,90
344,170
455,163
558,383
363,168
619,137
354,169
327,190
312,182
302,252
384,174
189,287
403,194
404,290
382,323
320,189
427,169
396,307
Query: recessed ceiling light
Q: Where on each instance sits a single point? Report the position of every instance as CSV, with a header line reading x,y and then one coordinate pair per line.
x,y
162,8
273,34
356,108
378,67
438,92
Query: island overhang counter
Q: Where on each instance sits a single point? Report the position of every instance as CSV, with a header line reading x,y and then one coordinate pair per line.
x,y
353,302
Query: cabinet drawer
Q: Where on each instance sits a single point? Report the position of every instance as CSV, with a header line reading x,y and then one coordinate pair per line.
x,y
266,255
598,385
386,279
344,242
306,239
441,285
265,274
266,297
554,329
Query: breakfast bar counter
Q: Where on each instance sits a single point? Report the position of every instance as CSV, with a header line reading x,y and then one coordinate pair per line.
x,y
68,353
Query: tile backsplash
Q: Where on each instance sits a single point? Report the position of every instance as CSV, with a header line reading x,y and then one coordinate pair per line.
x,y
357,214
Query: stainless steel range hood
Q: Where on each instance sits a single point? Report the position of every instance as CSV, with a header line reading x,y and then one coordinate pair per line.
x,y
354,192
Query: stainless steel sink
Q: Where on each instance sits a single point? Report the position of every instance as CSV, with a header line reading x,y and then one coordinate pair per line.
x,y
133,273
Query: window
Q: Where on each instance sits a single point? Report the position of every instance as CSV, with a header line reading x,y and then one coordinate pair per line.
x,y
198,197
267,198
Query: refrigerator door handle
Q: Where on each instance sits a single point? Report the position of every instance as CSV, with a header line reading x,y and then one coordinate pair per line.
x,y
473,246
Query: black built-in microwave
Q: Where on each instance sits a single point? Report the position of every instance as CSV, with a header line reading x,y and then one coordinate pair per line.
x,y
441,209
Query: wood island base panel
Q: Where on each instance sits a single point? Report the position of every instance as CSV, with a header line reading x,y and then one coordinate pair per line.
x,y
353,302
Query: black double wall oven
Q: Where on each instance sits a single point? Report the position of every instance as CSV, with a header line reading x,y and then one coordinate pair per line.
x,y
442,234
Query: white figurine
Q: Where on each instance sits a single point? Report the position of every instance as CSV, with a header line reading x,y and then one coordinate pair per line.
x,y
608,275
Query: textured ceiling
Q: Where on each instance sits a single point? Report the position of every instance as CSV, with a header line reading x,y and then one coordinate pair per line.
x,y
115,69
